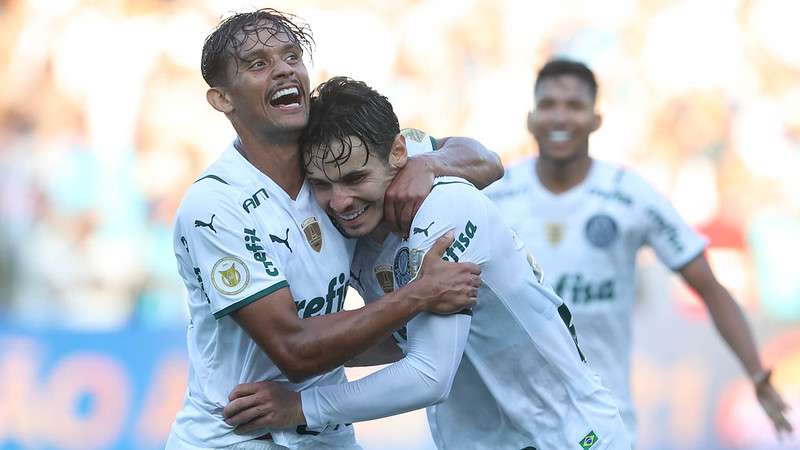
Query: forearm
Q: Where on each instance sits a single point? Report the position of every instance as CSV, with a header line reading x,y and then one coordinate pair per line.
x,y
386,352
326,342
734,329
466,158
422,378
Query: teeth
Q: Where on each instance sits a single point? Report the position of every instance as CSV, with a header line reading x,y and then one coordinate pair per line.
x,y
560,136
352,215
285,91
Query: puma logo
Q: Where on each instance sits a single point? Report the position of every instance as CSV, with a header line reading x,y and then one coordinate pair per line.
x,y
210,224
284,241
423,230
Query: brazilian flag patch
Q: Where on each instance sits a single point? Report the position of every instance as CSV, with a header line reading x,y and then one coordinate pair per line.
x,y
589,440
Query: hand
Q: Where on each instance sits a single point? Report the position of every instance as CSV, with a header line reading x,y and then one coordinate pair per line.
x,y
447,287
263,404
773,404
407,192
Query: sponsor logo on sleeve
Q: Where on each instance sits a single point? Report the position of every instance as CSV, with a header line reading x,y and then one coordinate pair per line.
x,y
666,228
460,244
313,233
230,275
413,134
601,230
418,230
210,224
253,244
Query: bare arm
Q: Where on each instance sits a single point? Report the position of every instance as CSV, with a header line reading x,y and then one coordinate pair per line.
x,y
732,326
305,347
455,156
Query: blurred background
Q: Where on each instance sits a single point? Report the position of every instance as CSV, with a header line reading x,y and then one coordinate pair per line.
x,y
104,124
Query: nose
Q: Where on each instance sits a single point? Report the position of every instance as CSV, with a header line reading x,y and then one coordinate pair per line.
x,y
341,200
282,69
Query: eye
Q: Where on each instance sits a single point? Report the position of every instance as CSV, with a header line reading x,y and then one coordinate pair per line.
x,y
319,184
355,179
257,64
292,57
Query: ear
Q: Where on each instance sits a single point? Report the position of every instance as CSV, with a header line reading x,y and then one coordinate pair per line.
x,y
597,121
529,122
219,99
398,155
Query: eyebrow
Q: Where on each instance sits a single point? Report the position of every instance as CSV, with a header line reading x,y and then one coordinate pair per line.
x,y
250,55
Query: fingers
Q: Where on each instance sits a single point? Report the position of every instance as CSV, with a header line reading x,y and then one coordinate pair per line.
x,y
390,210
441,244
473,268
407,211
242,410
243,390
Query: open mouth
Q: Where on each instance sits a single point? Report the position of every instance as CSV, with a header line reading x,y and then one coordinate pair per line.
x,y
353,215
559,136
286,98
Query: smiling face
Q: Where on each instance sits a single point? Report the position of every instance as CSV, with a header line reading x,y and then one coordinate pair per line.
x,y
351,191
268,87
563,118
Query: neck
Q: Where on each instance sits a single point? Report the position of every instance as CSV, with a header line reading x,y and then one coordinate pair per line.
x,y
380,233
278,159
560,176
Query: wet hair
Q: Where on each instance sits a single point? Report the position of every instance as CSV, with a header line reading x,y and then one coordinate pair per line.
x,y
344,111
227,40
561,66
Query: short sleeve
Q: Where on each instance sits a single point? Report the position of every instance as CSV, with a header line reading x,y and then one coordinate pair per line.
x,y
674,241
453,205
225,246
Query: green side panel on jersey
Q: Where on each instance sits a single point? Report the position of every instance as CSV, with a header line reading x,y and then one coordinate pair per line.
x,y
246,301
213,177
433,142
589,440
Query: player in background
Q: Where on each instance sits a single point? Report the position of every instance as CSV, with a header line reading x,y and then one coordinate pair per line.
x,y
265,268
585,220
510,375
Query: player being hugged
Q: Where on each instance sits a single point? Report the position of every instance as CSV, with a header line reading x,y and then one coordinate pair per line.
x,y
508,374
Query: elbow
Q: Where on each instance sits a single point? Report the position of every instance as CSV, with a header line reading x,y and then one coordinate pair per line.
x,y
437,392
436,389
294,365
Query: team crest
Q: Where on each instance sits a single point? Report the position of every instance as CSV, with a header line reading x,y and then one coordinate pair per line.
x,y
601,230
230,275
554,232
313,233
385,277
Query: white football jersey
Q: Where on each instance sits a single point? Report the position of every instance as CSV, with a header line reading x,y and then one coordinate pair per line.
x,y
586,241
239,237
521,382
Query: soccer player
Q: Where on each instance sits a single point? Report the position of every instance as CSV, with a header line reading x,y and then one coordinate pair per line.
x,y
510,375
585,220
265,268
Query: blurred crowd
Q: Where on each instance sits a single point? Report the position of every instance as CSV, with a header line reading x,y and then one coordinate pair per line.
x,y
104,123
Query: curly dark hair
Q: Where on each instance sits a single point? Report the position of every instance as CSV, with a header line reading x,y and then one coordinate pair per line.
x,y
342,109
228,38
562,66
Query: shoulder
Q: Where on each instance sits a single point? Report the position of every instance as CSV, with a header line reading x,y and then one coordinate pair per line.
x,y
450,197
517,179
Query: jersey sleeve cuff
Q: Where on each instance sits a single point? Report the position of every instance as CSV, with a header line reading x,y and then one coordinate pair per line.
x,y
310,404
692,255
250,299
